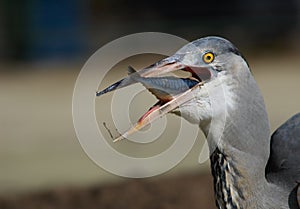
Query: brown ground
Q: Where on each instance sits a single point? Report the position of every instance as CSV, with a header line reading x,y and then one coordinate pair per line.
x,y
184,192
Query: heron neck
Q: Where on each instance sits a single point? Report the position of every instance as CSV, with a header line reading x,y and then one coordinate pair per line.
x,y
239,157
230,192
239,184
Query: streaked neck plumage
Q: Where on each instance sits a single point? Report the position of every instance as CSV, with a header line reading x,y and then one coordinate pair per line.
x,y
240,154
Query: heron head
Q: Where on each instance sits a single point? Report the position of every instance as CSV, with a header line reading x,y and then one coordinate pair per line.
x,y
212,63
219,65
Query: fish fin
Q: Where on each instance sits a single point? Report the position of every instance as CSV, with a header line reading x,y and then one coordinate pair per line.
x,y
131,70
160,94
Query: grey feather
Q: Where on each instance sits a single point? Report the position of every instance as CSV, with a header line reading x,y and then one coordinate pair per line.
x,y
284,162
283,167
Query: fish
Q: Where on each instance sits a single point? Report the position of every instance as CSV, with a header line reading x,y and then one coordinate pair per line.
x,y
163,88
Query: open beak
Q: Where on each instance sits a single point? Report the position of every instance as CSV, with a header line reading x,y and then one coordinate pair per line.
x,y
171,91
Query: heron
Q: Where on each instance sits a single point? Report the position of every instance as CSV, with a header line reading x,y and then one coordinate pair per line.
x,y
251,168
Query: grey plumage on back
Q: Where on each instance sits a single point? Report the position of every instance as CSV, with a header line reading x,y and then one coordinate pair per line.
x,y
283,167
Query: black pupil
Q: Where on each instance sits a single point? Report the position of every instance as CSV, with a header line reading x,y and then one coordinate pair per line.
x,y
208,57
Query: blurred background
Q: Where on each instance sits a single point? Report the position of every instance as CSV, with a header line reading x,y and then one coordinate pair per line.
x,y
43,46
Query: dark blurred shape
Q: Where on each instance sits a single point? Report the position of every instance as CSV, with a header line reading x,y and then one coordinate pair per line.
x,y
14,27
43,30
46,30
260,18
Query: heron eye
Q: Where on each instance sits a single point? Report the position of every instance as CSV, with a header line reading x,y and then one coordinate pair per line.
x,y
208,57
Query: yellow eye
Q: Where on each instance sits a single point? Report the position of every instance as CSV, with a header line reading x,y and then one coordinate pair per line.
x,y
208,57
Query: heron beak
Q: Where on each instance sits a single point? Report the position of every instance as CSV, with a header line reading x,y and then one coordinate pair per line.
x,y
170,91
